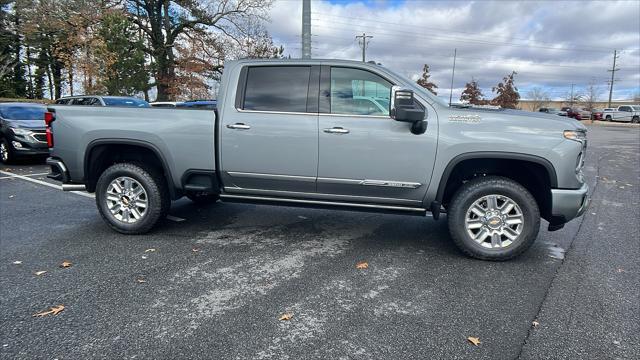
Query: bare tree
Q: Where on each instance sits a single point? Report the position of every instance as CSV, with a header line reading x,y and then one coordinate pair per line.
x,y
538,98
591,95
164,21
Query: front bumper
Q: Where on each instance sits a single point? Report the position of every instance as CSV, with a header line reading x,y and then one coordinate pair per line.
x,y
569,204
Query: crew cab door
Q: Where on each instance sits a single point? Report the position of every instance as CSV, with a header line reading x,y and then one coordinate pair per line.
x,y
269,139
364,154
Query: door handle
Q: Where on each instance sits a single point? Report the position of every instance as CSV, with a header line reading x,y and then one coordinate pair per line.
x,y
336,130
238,126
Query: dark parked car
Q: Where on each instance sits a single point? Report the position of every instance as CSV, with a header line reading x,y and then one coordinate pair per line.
x,y
553,111
597,114
22,131
92,100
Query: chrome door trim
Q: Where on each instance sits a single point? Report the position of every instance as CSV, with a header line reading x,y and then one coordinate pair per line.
x,y
271,176
370,182
356,115
321,202
321,196
276,112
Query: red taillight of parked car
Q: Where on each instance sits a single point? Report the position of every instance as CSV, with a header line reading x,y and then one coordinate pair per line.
x,y
49,117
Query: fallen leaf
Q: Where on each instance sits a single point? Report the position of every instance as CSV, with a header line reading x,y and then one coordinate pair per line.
x,y
195,249
18,262
285,317
66,264
38,273
362,265
620,270
474,340
54,310
11,196
150,250
141,281
535,324
144,256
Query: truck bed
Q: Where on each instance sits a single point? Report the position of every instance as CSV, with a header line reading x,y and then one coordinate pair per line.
x,y
184,138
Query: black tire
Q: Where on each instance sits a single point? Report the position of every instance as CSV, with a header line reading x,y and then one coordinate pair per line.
x,y
203,198
8,156
476,189
635,119
157,196
608,118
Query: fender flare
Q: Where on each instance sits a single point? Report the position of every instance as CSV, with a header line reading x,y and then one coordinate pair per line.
x,y
144,144
553,177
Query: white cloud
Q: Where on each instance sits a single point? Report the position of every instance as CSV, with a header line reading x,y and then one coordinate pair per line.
x,y
550,44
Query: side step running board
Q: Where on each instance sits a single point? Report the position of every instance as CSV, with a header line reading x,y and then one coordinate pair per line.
x,y
325,204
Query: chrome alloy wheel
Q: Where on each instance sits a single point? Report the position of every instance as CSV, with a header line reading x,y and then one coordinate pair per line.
x,y
494,221
4,152
127,200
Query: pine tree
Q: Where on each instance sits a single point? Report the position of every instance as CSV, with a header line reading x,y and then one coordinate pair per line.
x,y
425,82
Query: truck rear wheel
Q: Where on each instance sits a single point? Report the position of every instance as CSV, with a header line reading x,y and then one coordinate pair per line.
x,y
132,198
493,218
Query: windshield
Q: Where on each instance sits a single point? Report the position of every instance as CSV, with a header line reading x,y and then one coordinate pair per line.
x,y
636,108
22,112
132,102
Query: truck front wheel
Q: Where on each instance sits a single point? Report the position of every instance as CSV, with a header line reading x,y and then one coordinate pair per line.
x,y
132,198
493,218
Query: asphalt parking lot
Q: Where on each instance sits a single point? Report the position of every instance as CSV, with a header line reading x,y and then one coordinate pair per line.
x,y
213,281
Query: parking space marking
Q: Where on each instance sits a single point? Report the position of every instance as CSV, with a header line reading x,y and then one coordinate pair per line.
x,y
40,182
14,175
58,187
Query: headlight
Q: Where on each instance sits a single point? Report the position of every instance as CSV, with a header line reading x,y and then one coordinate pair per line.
x,y
21,132
575,135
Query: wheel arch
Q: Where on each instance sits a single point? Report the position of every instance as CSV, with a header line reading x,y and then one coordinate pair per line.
x,y
533,172
98,157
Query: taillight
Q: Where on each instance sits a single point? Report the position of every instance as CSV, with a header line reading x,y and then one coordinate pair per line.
x,y
49,117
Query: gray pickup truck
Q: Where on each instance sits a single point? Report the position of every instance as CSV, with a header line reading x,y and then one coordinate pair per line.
x,y
327,133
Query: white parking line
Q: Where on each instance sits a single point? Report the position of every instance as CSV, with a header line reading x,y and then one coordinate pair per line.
x,y
81,193
14,175
40,182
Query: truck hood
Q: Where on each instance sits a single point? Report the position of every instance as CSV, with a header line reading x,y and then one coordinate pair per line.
x,y
526,118
27,124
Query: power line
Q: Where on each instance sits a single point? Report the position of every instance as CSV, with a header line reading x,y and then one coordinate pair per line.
x,y
445,37
363,40
448,31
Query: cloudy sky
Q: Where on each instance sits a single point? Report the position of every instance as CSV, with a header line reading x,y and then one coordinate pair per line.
x,y
551,44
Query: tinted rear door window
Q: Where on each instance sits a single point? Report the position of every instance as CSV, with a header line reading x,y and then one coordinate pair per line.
x,y
277,88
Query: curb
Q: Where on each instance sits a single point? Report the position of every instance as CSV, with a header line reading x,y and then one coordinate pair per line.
x,y
609,124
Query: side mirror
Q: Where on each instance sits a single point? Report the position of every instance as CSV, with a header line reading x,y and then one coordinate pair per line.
x,y
403,106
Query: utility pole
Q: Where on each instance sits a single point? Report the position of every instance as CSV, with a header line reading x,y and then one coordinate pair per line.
x,y
306,29
613,73
571,96
363,41
455,52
